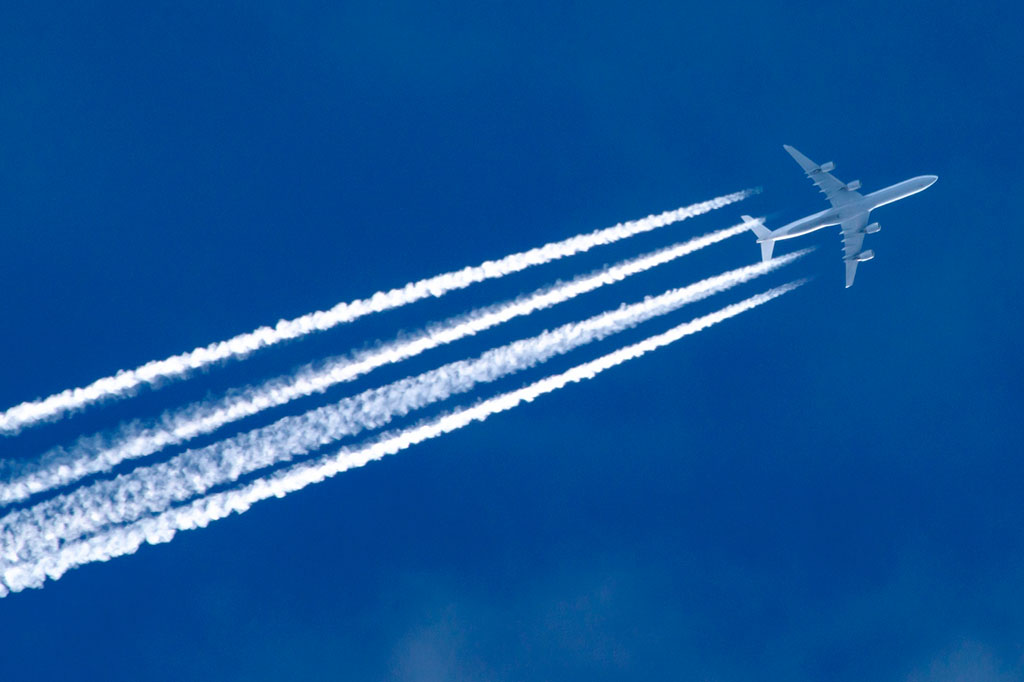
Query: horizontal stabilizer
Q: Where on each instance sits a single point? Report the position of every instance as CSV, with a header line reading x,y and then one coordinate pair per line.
x,y
763,236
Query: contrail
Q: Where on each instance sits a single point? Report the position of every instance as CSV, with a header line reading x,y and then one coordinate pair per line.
x,y
151,489
96,454
29,413
37,530
126,539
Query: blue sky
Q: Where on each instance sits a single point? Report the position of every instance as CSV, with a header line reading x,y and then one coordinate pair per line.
x,y
824,488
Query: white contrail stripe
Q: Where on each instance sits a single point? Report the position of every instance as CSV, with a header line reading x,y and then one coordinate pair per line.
x,y
126,539
32,412
97,454
39,529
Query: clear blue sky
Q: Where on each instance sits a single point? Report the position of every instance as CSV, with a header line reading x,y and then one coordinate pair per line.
x,y
825,488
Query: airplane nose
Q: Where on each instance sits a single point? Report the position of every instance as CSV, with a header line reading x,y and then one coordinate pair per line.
x,y
928,180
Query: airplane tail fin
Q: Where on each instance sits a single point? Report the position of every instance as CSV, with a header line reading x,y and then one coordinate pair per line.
x,y
763,236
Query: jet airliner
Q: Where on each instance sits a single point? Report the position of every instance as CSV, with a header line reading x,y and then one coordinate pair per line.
x,y
850,211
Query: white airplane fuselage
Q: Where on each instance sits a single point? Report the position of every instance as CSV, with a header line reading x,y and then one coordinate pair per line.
x,y
850,210
846,211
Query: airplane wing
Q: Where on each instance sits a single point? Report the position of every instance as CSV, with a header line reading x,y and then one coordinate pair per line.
x,y
834,189
853,240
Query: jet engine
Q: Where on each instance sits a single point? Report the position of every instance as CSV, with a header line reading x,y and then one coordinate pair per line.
x,y
864,255
853,186
827,167
872,228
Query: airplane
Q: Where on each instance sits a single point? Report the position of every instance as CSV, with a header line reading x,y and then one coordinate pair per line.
x,y
849,210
